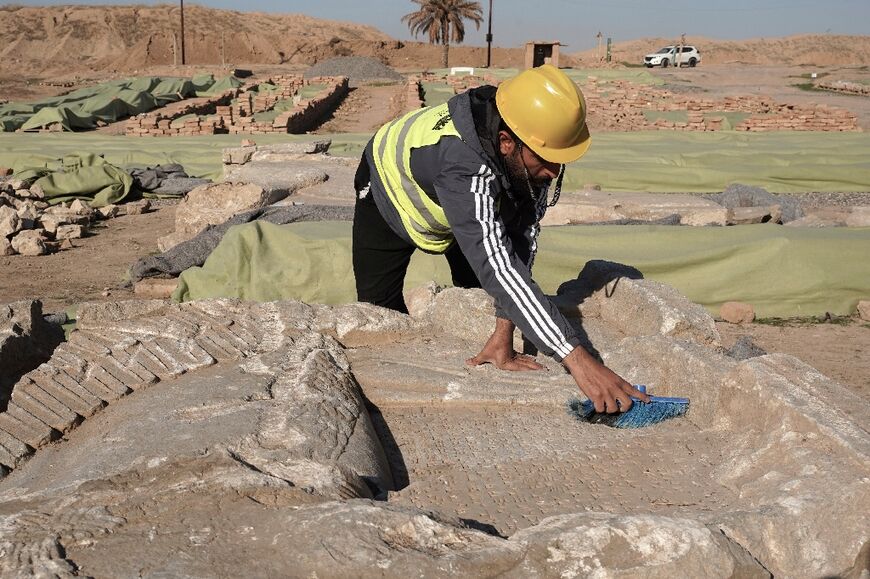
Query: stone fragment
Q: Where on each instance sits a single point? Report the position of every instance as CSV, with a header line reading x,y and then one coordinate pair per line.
x,y
36,191
80,207
56,216
737,313
634,306
704,217
420,300
10,223
155,288
864,310
822,217
6,247
465,313
213,204
136,207
69,232
591,206
108,211
751,215
796,435
27,210
599,544
5,171
238,155
31,242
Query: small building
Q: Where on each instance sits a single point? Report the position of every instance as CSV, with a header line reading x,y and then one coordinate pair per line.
x,y
540,52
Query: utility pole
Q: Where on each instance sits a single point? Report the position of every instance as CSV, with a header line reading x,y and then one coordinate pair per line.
x,y
489,38
598,50
181,2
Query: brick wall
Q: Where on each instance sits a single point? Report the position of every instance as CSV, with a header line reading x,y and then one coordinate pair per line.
x,y
620,106
232,112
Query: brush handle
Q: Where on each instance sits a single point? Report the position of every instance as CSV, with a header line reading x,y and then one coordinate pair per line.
x,y
665,399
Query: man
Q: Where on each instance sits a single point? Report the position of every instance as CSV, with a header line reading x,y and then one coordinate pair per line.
x,y
469,179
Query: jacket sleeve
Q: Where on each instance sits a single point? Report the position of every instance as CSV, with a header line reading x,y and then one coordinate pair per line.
x,y
467,191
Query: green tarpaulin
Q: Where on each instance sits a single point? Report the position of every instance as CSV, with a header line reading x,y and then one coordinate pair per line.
x,y
656,161
107,102
84,176
781,271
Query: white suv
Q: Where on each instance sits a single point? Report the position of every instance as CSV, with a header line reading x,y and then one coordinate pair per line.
x,y
668,56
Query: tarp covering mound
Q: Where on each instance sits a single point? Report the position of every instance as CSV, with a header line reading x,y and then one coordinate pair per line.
x,y
782,272
661,161
84,176
107,102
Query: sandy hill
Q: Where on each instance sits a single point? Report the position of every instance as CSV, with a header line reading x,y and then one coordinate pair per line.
x,y
818,50
63,39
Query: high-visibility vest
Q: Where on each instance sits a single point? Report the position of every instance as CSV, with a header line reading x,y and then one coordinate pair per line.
x,y
423,219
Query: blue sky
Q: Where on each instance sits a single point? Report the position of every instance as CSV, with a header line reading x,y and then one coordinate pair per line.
x,y
576,22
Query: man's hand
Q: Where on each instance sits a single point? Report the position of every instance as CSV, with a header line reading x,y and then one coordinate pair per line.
x,y
608,392
499,350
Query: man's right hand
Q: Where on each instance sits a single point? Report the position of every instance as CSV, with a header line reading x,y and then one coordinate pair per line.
x,y
499,351
606,389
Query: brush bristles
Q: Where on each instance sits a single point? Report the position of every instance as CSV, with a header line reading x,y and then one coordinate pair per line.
x,y
640,415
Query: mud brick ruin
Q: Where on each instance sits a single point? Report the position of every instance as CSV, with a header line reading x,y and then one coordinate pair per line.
x,y
233,111
620,106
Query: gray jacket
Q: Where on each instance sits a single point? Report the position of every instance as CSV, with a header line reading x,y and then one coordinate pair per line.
x,y
496,228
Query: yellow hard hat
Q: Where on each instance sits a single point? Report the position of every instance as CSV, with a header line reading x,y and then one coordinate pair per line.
x,y
547,111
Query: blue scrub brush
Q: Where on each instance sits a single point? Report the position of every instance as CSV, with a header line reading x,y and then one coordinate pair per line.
x,y
641,414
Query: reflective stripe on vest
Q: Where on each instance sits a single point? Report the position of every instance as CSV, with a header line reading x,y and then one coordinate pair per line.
x,y
423,219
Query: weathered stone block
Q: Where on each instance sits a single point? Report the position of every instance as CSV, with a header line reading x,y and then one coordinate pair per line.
x,y
638,307
30,242
213,204
737,313
10,222
599,544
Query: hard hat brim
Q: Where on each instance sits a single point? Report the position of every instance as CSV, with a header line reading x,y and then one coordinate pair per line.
x,y
565,155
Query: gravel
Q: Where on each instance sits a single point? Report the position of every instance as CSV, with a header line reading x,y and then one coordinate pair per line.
x,y
358,70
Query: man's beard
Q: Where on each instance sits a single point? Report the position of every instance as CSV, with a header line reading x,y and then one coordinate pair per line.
x,y
519,178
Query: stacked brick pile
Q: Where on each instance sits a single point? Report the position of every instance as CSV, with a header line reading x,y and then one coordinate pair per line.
x,y
845,86
233,112
412,98
160,122
619,106
463,83
304,115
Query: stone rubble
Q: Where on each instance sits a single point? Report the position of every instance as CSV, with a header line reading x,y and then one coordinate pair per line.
x,y
30,226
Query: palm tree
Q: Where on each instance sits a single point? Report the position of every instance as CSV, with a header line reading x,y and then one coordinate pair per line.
x,y
443,20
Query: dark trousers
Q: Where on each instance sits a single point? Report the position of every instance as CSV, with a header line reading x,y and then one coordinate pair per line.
x,y
381,258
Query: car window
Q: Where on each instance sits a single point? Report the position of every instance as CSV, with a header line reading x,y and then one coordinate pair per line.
x,y
688,48
665,50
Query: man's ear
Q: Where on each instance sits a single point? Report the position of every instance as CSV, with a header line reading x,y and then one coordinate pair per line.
x,y
506,143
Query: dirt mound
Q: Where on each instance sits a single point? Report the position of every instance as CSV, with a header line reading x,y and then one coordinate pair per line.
x,y
358,69
68,39
790,50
